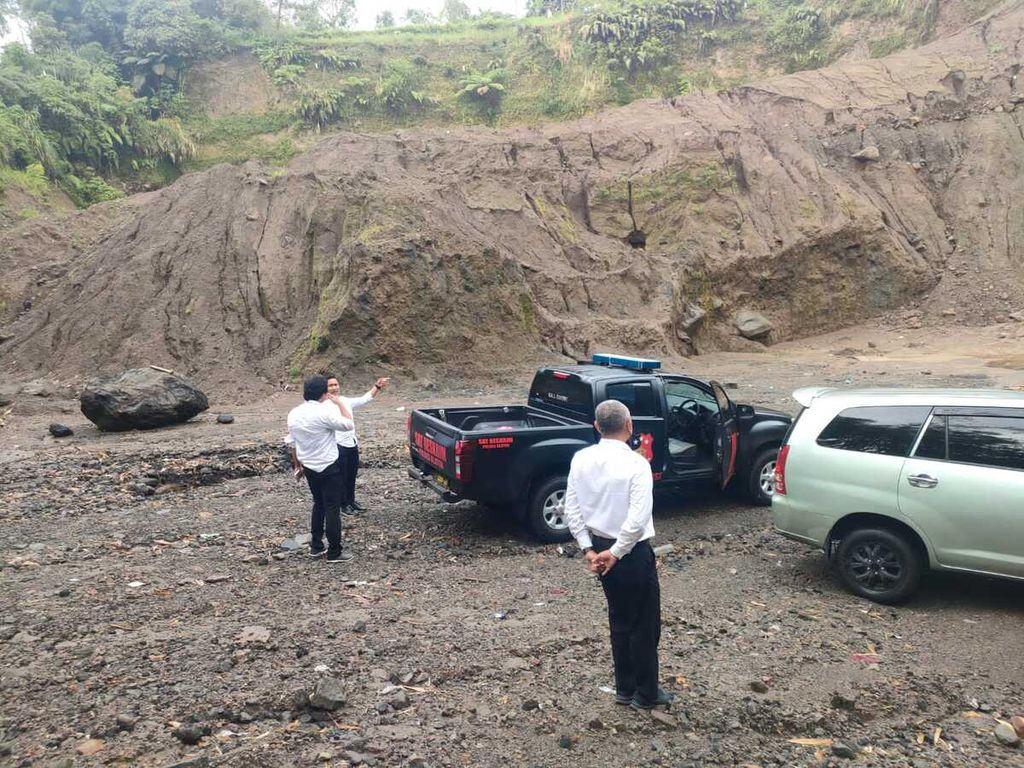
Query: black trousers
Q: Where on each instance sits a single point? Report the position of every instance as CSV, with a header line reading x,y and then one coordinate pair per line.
x,y
350,459
634,619
328,489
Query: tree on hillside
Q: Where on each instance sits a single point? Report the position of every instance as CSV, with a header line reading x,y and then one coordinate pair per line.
x,y
416,16
385,20
455,10
8,10
324,14
549,7
82,21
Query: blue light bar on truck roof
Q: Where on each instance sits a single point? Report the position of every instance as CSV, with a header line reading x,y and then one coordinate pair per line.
x,y
622,361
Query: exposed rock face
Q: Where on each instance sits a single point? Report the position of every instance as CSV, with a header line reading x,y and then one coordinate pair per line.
x,y
142,398
449,248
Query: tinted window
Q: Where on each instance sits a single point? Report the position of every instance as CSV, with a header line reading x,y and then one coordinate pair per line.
x,y
564,392
996,441
888,430
933,441
638,397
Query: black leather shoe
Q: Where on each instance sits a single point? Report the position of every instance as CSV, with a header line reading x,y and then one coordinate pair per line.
x,y
664,699
624,699
357,506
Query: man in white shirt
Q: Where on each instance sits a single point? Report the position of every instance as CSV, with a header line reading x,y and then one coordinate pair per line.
x,y
311,430
608,506
348,445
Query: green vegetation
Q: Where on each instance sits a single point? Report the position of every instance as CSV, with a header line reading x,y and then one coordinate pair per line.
x,y
95,102
99,102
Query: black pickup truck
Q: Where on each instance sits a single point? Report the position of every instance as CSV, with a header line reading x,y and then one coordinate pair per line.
x,y
517,457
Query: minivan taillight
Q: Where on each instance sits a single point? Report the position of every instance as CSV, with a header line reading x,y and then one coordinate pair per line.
x,y
464,450
780,471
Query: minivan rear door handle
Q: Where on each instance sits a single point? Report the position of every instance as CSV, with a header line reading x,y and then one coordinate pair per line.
x,y
922,481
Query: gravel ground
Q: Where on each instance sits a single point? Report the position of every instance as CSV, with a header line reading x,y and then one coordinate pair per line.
x,y
172,629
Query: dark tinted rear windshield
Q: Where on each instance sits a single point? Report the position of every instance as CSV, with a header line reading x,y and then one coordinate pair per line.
x,y
560,392
888,430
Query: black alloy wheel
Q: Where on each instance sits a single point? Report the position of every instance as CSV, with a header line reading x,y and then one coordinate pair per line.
x,y
878,564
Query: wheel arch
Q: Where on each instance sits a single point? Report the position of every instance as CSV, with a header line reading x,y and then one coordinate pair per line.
x,y
858,520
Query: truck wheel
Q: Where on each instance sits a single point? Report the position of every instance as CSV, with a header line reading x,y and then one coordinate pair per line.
x,y
546,513
761,478
878,564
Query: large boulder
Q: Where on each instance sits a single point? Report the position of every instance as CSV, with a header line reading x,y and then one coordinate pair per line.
x,y
142,398
752,325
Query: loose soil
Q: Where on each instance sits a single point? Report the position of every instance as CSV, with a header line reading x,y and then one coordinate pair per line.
x,y
459,640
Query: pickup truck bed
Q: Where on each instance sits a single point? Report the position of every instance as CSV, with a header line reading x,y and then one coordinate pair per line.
x,y
489,419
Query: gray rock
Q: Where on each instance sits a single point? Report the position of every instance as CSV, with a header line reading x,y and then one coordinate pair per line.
x,y
358,758
400,700
758,686
37,388
126,722
225,418
839,749
1006,735
752,325
60,430
142,398
190,733
530,704
328,694
691,318
869,152
200,761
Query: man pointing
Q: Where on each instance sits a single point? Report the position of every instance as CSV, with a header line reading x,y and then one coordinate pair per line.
x,y
608,505
311,428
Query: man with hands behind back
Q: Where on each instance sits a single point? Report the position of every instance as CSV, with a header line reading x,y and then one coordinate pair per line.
x,y
608,507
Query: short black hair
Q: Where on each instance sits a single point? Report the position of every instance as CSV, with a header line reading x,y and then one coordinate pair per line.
x,y
314,388
328,375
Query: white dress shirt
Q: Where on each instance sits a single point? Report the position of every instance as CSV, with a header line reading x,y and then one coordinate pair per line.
x,y
347,437
610,494
311,429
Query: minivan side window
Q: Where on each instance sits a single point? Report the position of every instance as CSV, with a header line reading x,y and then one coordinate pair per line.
x,y
884,429
933,441
995,441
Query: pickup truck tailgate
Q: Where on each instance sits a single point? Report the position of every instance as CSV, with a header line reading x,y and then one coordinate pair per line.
x,y
432,444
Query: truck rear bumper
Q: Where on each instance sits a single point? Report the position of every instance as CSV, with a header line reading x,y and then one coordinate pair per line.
x,y
429,482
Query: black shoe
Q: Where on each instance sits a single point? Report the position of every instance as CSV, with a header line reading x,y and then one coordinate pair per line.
x,y
357,507
664,699
341,557
624,699
314,552
347,510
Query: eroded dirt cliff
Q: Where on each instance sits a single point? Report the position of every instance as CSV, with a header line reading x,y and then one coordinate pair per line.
x,y
465,249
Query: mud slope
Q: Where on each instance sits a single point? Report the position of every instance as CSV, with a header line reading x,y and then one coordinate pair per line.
x,y
465,248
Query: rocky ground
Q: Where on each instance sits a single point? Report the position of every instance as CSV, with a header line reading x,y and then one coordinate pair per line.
x,y
150,616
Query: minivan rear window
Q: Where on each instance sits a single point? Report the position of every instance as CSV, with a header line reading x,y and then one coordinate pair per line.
x,y
885,429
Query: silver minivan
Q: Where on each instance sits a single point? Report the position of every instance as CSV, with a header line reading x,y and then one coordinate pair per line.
x,y
889,482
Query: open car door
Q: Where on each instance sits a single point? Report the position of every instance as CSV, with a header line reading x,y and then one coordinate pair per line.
x,y
727,435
